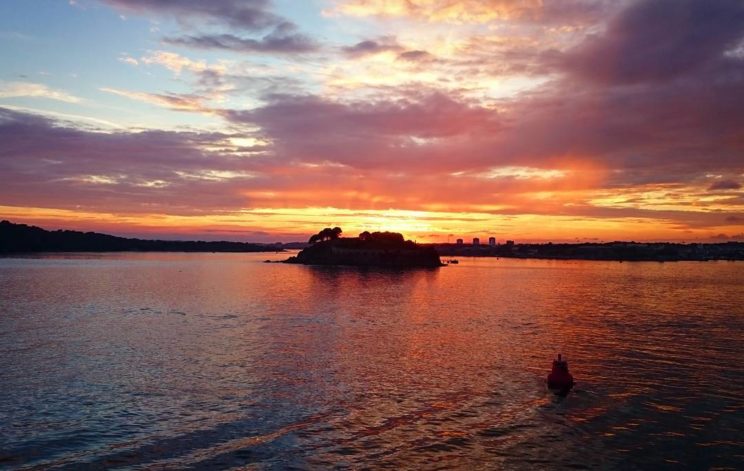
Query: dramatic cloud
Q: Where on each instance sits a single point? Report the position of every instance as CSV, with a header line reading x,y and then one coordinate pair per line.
x,y
587,118
668,136
659,40
377,134
119,171
397,155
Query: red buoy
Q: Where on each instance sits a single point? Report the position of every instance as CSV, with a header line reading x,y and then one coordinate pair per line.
x,y
560,381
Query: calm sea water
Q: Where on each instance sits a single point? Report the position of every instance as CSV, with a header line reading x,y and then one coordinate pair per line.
x,y
173,361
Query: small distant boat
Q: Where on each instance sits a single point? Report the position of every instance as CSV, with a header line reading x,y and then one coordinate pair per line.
x,y
453,261
560,381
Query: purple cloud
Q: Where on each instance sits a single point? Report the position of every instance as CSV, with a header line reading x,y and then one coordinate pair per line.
x,y
282,40
117,171
363,134
659,40
372,46
651,133
725,185
253,15
406,150
415,56
244,15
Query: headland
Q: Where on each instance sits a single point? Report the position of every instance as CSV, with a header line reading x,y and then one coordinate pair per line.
x,y
21,238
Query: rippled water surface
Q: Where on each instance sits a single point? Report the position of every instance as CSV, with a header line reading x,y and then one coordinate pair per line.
x,y
172,361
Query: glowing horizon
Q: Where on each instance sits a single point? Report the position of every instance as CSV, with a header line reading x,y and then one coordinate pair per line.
x,y
265,120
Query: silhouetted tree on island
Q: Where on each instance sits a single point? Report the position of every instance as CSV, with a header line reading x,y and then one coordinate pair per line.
x,y
389,238
326,234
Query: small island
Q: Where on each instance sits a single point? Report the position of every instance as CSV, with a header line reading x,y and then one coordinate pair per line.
x,y
375,249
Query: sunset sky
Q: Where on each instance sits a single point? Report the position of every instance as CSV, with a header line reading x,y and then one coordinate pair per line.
x,y
266,120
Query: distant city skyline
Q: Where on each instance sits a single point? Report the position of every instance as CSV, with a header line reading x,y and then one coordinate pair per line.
x,y
266,120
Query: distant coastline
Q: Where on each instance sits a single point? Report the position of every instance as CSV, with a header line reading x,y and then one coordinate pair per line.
x,y
21,238
610,251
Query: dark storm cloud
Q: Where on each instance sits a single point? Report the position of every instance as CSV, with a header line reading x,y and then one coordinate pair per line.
x,y
659,40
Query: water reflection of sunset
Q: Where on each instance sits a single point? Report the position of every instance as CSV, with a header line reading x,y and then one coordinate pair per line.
x,y
220,355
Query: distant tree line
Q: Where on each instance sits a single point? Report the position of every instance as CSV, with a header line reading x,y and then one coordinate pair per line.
x,y
622,251
384,238
24,238
365,240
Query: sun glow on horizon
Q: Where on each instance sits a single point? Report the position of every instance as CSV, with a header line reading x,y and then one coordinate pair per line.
x,y
296,224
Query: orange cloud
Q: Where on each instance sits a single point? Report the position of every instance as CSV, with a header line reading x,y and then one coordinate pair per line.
x,y
192,103
297,223
458,11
